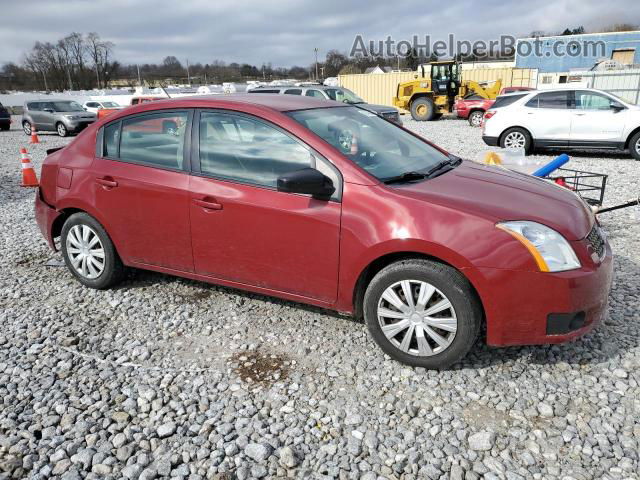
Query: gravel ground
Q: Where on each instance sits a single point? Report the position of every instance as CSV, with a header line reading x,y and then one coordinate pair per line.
x,y
165,377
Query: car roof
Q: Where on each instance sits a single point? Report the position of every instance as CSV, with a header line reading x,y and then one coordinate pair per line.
x,y
281,103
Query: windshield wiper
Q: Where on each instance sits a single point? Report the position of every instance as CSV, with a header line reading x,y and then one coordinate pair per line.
x,y
405,177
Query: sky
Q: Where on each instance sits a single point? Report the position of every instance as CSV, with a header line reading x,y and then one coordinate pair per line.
x,y
283,32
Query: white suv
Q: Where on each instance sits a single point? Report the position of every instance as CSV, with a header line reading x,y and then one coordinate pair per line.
x,y
580,118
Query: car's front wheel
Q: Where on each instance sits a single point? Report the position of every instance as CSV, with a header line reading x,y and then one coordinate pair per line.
x,y
89,252
62,129
422,313
634,146
26,127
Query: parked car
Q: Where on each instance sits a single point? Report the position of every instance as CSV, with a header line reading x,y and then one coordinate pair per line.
x,y
473,107
94,106
580,118
338,94
62,116
5,118
328,204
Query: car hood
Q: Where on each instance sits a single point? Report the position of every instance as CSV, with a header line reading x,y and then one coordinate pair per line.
x,y
377,109
498,194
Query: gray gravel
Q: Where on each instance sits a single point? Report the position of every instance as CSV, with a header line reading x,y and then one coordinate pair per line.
x,y
165,377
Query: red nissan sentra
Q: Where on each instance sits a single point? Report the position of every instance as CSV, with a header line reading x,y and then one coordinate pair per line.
x,y
328,204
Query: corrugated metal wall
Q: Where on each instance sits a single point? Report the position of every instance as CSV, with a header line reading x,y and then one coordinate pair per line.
x,y
377,88
623,83
381,88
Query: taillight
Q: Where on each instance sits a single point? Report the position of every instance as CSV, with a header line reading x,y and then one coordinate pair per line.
x,y
489,114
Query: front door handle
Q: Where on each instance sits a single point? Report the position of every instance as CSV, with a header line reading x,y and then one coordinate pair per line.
x,y
580,113
107,182
208,204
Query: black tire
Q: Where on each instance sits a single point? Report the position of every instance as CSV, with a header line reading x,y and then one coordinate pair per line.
x,y
113,270
634,146
170,127
26,128
61,129
5,128
475,118
422,109
528,142
449,282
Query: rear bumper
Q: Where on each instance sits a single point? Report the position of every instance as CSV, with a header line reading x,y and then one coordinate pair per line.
x,y
45,216
534,308
491,141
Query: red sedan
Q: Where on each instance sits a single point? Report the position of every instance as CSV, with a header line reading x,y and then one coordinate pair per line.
x,y
474,106
330,205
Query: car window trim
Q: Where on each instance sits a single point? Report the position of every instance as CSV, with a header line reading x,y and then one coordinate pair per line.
x,y
195,153
186,155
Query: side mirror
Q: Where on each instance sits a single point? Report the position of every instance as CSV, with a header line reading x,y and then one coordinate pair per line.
x,y
307,181
615,106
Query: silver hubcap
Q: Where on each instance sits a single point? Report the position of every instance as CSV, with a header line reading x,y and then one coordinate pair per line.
x,y
476,119
638,147
27,128
417,318
61,129
514,140
85,251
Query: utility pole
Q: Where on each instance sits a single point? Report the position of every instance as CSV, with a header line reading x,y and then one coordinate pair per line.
x,y
139,80
316,50
44,75
98,75
69,77
188,75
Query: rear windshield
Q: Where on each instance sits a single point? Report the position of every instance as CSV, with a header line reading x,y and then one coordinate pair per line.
x,y
507,100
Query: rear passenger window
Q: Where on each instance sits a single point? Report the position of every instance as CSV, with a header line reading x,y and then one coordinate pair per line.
x,y
314,93
555,100
239,148
156,140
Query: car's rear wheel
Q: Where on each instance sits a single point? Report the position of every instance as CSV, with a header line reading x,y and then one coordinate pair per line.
x,y
26,127
475,118
89,253
61,129
422,313
422,109
634,146
515,139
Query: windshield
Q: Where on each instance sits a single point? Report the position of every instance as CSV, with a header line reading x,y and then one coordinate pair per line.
x,y
110,104
67,107
379,147
343,95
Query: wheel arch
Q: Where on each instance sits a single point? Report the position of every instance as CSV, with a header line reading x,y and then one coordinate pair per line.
x,y
377,264
420,95
630,136
516,126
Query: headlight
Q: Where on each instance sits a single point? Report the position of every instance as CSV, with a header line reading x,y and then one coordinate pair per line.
x,y
549,249
71,117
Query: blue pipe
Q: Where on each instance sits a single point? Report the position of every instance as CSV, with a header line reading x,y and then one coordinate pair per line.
x,y
551,166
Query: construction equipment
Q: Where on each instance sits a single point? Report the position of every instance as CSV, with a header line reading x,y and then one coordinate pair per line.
x,y
435,92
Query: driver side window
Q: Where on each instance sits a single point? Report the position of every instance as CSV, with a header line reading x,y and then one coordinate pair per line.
x,y
246,150
592,101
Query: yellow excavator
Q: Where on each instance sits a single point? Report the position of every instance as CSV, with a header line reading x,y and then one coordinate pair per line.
x,y
432,95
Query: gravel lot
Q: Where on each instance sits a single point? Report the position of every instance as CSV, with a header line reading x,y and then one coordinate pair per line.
x,y
165,377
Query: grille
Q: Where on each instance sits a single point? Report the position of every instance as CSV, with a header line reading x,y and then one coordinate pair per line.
x,y
596,240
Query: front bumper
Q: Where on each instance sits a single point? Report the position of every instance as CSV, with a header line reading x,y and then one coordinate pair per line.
x,y
77,125
491,141
45,216
529,308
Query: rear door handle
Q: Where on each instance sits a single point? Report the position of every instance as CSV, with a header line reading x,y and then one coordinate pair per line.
x,y
580,113
208,204
107,182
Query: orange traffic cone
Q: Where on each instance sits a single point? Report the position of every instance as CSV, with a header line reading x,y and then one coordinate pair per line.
x,y
29,178
34,135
